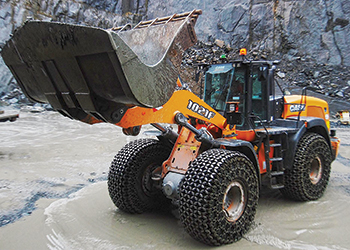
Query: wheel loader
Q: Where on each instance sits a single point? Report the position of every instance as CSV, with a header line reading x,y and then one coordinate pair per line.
x,y
210,156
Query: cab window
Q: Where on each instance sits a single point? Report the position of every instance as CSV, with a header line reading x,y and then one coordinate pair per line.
x,y
259,95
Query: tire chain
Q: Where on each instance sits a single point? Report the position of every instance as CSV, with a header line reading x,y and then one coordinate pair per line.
x,y
123,174
201,190
297,181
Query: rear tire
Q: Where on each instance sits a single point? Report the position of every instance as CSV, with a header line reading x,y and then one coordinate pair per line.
x,y
129,180
308,178
218,197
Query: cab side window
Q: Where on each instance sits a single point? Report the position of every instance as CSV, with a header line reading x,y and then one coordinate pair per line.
x,y
259,95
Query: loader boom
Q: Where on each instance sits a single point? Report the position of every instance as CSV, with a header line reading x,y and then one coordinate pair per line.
x,y
182,101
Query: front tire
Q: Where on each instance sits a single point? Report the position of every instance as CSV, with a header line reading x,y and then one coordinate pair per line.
x,y
218,197
308,178
132,183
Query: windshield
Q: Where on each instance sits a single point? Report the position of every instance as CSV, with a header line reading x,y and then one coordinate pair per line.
x,y
224,87
216,89
225,91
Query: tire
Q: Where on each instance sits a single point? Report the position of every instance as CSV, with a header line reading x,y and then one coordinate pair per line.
x,y
308,178
129,180
215,176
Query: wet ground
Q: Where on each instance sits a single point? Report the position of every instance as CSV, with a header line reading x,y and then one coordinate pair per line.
x,y
53,195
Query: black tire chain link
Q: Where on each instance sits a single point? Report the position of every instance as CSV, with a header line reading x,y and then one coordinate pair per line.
x,y
123,183
202,191
297,181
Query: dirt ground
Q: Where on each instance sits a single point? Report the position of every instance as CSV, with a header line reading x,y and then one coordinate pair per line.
x,y
53,195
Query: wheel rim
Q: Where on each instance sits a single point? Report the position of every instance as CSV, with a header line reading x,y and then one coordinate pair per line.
x,y
234,201
148,184
316,170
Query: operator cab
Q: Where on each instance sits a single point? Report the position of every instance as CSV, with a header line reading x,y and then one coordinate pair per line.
x,y
242,90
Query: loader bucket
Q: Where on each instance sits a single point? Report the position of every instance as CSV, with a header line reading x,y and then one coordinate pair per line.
x,y
94,74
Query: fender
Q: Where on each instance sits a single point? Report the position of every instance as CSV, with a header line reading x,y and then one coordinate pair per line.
x,y
311,124
244,147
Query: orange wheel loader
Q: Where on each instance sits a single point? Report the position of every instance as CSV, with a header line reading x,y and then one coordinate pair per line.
x,y
239,137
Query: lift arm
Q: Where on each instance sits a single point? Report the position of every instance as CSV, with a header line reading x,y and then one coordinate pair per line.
x,y
182,101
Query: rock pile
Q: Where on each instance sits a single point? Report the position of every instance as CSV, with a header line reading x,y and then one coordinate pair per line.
x,y
330,80
293,71
215,51
13,95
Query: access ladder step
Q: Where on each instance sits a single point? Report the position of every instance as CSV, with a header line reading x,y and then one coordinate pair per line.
x,y
276,159
277,173
276,179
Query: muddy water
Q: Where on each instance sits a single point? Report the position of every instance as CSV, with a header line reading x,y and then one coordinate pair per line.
x,y
53,195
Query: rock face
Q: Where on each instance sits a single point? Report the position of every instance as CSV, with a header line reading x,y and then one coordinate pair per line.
x,y
319,29
308,36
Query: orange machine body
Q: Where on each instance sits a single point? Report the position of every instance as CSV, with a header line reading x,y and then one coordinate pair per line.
x,y
187,148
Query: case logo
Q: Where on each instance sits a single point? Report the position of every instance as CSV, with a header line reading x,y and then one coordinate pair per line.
x,y
297,107
199,109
